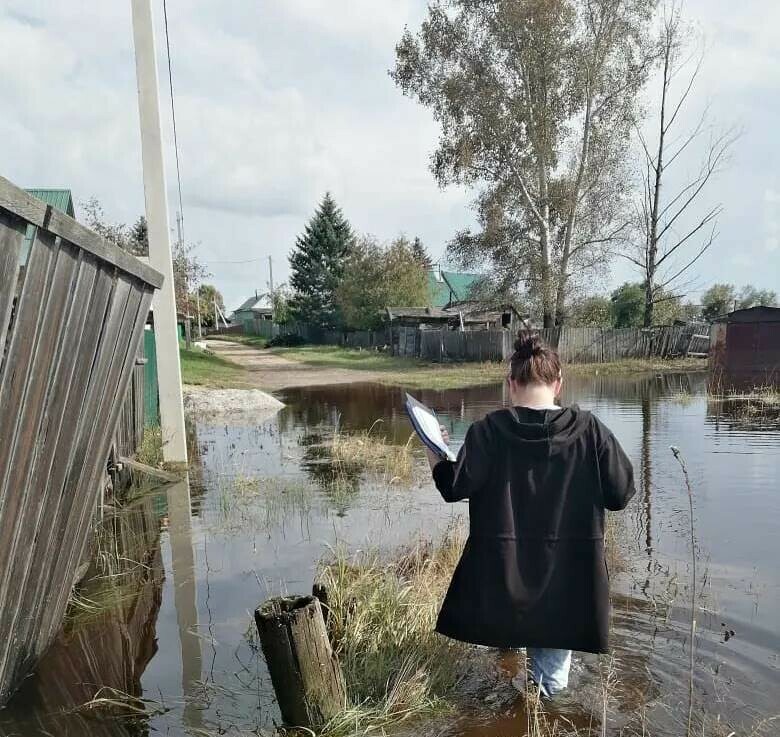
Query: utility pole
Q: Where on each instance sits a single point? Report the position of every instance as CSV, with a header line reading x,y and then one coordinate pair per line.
x,y
197,307
216,314
164,302
271,276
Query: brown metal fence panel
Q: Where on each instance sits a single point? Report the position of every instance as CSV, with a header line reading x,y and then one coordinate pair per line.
x,y
72,322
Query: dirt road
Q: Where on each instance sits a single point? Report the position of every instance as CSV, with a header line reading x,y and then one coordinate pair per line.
x,y
272,372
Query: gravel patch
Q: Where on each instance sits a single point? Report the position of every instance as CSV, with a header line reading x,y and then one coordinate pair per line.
x,y
230,404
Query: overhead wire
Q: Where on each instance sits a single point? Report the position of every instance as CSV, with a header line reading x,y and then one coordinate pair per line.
x,y
173,112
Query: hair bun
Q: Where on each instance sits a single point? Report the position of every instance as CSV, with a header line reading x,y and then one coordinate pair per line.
x,y
528,345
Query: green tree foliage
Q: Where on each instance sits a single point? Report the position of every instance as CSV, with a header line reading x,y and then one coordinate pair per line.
x,y
188,271
535,101
280,304
133,239
628,305
722,298
317,265
594,311
717,300
750,296
377,277
420,254
204,296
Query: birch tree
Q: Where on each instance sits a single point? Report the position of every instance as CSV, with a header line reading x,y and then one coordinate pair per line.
x,y
534,99
673,227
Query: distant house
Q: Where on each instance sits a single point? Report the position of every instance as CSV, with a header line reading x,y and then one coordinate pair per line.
x,y
255,308
745,347
60,199
448,287
468,315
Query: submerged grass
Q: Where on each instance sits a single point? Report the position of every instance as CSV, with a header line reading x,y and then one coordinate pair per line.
x,y
119,562
262,502
370,450
381,618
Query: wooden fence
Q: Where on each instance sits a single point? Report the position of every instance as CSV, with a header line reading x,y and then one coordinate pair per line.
x,y
71,319
602,345
469,345
574,345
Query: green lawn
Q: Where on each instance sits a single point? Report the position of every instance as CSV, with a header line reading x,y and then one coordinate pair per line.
x,y
205,369
254,340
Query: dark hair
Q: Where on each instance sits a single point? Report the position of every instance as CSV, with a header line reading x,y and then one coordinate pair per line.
x,y
533,361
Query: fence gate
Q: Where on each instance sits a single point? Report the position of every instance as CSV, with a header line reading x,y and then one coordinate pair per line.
x,y
72,314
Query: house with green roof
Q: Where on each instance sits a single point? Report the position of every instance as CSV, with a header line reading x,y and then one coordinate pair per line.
x,y
448,287
60,199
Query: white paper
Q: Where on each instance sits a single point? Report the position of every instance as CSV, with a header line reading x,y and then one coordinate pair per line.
x,y
430,426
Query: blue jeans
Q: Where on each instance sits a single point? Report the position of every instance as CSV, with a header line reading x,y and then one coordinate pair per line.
x,y
549,668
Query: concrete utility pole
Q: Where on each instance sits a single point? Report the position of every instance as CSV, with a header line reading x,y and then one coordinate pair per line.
x,y
168,368
197,302
271,275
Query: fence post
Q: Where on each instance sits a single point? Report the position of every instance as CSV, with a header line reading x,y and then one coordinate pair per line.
x,y
305,672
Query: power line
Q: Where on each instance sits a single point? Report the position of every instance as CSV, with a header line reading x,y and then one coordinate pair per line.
x,y
243,261
173,109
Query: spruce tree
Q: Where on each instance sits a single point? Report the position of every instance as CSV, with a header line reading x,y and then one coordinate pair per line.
x,y
420,254
317,265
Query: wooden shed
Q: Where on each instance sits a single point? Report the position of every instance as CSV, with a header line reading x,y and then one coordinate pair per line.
x,y
745,348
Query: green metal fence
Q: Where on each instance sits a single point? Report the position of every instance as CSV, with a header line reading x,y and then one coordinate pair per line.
x,y
151,397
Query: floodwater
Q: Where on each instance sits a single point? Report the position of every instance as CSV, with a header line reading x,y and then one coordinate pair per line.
x,y
194,560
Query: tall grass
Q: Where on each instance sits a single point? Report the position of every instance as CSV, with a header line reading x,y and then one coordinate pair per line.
x,y
370,450
692,526
381,619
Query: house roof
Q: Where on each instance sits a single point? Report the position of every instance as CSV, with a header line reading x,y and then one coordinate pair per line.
x,y
758,313
418,313
453,286
61,199
473,312
259,302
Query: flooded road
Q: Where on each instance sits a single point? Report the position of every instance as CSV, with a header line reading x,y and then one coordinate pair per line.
x,y
262,507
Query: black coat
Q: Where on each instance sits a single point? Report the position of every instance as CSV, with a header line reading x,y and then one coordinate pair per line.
x,y
533,572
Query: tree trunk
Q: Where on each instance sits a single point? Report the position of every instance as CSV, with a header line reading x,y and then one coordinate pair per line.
x,y
305,672
548,304
649,302
655,204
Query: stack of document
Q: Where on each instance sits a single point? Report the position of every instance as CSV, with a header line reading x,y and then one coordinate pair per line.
x,y
426,425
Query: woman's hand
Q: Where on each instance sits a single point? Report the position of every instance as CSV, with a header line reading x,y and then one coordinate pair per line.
x,y
434,458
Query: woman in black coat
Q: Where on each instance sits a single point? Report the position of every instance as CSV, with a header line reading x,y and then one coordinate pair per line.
x,y
538,478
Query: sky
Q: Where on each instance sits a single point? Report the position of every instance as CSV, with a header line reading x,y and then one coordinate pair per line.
x,y
279,101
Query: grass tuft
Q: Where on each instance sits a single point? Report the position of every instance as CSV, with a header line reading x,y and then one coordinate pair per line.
x,y
150,451
381,619
372,451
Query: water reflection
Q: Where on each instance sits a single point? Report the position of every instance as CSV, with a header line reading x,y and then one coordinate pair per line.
x,y
108,640
185,596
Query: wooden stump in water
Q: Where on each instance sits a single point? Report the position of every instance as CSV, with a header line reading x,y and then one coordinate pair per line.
x,y
305,672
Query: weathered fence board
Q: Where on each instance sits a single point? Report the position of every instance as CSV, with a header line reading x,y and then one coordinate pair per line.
x,y
71,322
11,237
